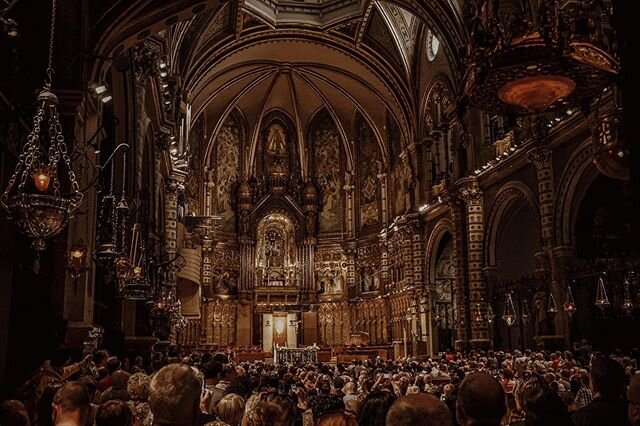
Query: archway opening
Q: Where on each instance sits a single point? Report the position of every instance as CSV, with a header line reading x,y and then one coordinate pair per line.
x,y
517,243
604,242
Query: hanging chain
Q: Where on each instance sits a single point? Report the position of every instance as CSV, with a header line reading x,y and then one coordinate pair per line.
x,y
51,40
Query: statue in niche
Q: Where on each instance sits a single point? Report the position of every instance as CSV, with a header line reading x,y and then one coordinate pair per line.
x,y
376,282
367,281
274,249
276,140
337,284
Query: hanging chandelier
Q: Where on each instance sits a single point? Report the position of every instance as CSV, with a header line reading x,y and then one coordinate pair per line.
x,y
570,305
602,299
490,314
510,316
526,315
627,303
525,63
34,199
552,306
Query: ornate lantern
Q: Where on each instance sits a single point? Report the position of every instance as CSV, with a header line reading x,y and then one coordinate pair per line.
x,y
611,155
570,305
509,316
34,199
76,261
523,65
490,314
602,299
552,306
526,315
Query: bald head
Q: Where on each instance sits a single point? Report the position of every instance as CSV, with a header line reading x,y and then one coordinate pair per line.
x,y
418,408
480,400
174,396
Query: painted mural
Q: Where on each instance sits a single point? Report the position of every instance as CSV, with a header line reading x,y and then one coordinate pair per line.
x,y
226,171
369,163
326,152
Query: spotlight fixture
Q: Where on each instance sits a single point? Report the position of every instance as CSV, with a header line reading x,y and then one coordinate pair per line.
x,y
106,99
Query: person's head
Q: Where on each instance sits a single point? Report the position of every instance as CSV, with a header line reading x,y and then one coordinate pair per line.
x,y
480,400
100,358
373,410
229,372
138,387
607,377
113,364
633,398
340,418
230,409
45,405
174,396
13,413
114,413
120,379
276,409
540,403
211,371
71,404
416,409
349,388
338,383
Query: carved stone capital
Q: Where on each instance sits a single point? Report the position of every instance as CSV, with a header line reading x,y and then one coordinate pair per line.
x,y
174,186
540,158
146,61
470,192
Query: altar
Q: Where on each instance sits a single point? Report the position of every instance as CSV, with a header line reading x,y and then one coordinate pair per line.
x,y
295,355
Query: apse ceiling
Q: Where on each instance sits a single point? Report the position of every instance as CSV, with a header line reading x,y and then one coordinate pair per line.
x,y
345,56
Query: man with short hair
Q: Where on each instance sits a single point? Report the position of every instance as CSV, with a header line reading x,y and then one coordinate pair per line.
x,y
71,405
114,413
174,396
480,401
607,386
227,375
633,400
418,409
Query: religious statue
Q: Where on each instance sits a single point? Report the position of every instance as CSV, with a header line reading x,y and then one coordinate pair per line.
x,y
276,140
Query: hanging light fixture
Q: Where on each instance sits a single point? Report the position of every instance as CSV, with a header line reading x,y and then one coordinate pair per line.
x,y
552,306
135,285
570,305
526,315
34,199
490,314
477,315
627,303
76,262
602,299
557,56
509,316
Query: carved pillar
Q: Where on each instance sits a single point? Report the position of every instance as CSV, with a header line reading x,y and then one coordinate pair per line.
x,y
350,250
541,159
559,259
384,196
247,262
174,188
349,188
459,260
472,196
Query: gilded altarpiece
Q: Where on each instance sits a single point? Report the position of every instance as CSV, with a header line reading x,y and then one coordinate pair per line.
x,y
334,322
331,272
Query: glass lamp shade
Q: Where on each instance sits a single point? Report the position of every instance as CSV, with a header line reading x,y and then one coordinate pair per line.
x,y
40,216
42,177
76,256
536,93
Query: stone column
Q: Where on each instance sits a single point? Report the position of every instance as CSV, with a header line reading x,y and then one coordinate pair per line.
x,y
349,188
382,177
472,197
456,208
558,259
79,294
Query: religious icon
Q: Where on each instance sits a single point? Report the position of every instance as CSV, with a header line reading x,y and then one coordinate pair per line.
x,y
276,140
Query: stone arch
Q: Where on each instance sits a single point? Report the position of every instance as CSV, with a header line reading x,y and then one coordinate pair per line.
x,y
506,196
439,90
442,227
575,180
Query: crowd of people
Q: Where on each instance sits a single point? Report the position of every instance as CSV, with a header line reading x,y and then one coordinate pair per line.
x,y
483,388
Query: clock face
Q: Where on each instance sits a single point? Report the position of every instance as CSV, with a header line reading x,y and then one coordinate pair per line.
x,y
432,46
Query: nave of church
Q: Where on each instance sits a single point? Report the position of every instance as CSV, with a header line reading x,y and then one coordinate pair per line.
x,y
349,179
